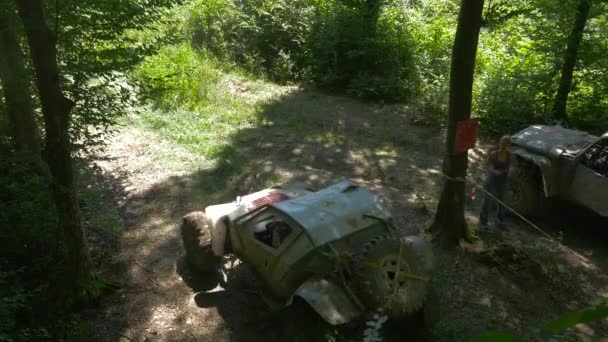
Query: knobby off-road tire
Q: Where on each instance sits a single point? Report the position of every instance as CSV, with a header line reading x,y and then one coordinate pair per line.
x,y
392,273
523,193
196,237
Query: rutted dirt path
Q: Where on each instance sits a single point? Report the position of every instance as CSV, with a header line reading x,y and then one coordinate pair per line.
x,y
155,182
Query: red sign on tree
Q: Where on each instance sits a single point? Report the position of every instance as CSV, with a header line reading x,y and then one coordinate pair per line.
x,y
466,135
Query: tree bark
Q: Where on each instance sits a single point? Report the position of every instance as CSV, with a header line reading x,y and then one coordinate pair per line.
x,y
56,110
574,42
16,86
449,225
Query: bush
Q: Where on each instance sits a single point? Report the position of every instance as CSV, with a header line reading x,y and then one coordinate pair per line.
x,y
31,254
260,36
363,48
588,101
177,77
508,105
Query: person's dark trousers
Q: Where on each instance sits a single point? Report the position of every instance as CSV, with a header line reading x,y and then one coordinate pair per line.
x,y
496,186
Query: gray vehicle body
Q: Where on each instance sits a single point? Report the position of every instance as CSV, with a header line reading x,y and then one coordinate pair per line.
x,y
313,256
567,164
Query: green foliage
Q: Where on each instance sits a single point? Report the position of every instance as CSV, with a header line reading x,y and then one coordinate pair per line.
x,y
177,77
97,43
588,101
451,331
470,234
96,46
498,337
360,47
569,320
519,60
32,256
399,51
11,301
29,249
363,47
197,105
26,206
4,129
433,25
260,36
563,323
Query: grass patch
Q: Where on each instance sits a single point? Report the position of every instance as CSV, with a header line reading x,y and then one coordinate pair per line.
x,y
196,104
470,234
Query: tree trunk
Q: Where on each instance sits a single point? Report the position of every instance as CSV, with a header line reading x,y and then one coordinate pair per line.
x,y
370,10
371,13
16,86
449,225
56,111
574,42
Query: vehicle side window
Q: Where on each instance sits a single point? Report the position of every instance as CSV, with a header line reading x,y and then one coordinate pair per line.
x,y
273,232
596,157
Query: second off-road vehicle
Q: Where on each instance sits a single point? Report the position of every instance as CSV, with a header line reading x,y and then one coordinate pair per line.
x,y
556,162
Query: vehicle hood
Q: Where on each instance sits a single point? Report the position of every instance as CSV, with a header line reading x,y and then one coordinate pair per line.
x,y
542,139
335,212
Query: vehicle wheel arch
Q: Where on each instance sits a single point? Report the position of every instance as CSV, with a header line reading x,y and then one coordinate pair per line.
x,y
328,299
537,168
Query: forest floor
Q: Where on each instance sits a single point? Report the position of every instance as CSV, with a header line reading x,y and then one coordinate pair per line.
x,y
510,282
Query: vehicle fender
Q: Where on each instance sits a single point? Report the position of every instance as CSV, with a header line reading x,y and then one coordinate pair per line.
x,y
219,216
329,300
544,164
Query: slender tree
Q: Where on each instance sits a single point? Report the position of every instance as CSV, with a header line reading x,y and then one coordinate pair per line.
x,y
16,85
449,225
574,42
56,110
371,13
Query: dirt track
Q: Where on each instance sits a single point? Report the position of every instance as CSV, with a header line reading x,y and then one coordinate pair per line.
x,y
154,182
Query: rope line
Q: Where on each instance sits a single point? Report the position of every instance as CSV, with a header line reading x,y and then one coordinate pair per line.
x,y
474,184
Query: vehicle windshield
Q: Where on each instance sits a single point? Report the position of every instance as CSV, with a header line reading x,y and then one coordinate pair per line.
x,y
596,158
579,145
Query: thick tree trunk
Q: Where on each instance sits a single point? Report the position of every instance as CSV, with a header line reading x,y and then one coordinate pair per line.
x,y
449,225
574,42
16,85
56,111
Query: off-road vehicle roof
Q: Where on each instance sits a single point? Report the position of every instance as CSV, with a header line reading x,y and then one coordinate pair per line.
x,y
542,139
335,212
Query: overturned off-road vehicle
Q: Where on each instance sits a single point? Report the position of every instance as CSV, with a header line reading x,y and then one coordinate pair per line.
x,y
556,162
335,248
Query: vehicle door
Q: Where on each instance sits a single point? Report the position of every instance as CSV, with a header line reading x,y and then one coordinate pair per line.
x,y
589,185
262,240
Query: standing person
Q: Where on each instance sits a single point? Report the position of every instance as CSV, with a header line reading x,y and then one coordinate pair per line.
x,y
497,164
